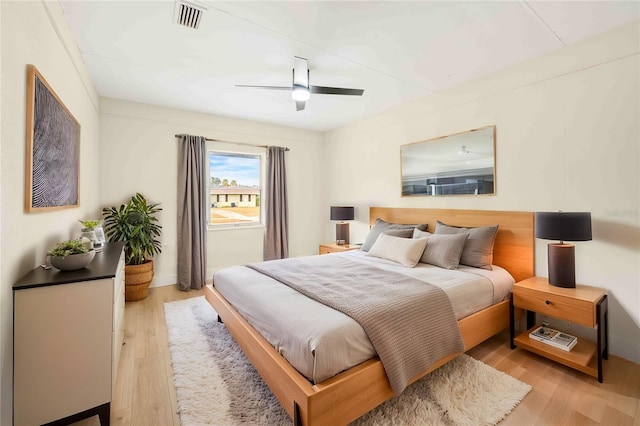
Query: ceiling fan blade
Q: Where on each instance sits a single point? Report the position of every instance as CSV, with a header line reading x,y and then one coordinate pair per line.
x,y
265,87
300,72
335,91
299,105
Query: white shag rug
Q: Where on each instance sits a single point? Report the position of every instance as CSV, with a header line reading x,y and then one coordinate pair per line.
x,y
217,385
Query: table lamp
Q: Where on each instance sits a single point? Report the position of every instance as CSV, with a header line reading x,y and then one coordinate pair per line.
x,y
342,228
562,226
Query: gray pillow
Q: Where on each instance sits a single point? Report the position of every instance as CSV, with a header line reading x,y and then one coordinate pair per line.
x,y
383,226
478,250
444,250
421,234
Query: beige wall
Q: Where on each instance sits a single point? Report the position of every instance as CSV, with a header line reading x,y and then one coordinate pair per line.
x,y
139,153
567,139
37,33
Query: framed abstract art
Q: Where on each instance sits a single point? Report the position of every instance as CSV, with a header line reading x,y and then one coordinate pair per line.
x,y
53,149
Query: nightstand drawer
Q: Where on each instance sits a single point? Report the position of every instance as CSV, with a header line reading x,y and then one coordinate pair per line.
x,y
563,307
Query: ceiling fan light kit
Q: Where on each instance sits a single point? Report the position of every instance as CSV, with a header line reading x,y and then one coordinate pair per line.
x,y
300,93
301,89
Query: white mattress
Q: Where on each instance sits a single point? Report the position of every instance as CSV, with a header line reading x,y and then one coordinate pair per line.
x,y
321,342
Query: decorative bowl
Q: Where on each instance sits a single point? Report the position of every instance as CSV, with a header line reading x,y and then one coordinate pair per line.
x,y
72,261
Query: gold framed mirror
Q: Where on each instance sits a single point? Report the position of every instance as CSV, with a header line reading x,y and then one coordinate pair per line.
x,y
458,164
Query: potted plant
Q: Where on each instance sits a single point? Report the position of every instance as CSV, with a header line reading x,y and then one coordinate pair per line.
x,y
71,255
92,230
89,225
136,224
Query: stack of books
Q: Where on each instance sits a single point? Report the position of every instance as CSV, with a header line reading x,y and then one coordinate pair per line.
x,y
554,338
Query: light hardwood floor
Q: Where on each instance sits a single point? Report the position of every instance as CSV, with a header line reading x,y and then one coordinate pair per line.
x,y
145,394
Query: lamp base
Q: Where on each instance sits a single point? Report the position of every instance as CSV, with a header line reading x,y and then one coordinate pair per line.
x,y
342,233
562,265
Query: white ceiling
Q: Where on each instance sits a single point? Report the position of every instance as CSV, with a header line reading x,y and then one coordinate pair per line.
x,y
396,51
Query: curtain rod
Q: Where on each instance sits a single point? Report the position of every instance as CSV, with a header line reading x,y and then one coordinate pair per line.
x,y
236,143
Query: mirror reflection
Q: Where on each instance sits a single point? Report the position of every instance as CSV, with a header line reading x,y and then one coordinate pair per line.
x,y
458,164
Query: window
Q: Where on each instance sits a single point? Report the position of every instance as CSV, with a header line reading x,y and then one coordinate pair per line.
x,y
235,188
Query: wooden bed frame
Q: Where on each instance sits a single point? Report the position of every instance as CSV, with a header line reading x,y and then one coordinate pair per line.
x,y
354,392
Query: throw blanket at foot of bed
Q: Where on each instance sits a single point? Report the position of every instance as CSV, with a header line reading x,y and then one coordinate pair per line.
x,y
409,322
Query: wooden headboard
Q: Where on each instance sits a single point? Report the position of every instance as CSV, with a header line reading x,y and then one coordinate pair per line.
x,y
514,246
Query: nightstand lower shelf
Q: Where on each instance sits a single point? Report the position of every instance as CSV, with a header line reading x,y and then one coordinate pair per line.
x,y
582,357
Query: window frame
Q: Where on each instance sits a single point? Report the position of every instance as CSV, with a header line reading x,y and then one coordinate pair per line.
x,y
248,152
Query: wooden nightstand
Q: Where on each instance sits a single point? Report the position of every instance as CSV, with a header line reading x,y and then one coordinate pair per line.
x,y
333,248
583,305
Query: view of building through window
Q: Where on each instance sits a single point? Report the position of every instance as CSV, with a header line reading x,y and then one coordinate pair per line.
x,y
234,187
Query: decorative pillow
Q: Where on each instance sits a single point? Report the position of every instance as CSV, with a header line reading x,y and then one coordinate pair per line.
x,y
444,250
401,233
421,234
383,226
478,250
406,251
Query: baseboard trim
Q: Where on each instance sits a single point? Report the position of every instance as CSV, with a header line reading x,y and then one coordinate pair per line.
x,y
163,280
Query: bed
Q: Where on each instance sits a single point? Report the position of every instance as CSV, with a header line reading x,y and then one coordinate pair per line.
x,y
349,394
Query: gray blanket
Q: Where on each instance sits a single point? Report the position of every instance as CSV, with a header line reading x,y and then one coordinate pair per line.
x,y
409,322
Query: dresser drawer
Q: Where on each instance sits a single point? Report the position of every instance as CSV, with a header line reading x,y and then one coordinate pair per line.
x,y
118,311
119,280
555,305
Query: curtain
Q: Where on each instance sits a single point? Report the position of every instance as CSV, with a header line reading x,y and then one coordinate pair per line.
x,y
192,212
276,242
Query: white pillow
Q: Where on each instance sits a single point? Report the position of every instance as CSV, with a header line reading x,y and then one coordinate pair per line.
x,y
406,251
383,226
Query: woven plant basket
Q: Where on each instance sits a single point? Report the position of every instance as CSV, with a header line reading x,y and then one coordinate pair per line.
x,y
137,280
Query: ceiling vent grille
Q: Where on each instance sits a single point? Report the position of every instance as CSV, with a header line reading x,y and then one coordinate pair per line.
x,y
188,14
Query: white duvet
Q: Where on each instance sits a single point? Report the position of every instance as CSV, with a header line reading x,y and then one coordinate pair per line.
x,y
321,342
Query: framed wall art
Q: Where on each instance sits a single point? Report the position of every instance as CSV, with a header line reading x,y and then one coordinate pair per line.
x,y
53,149
458,164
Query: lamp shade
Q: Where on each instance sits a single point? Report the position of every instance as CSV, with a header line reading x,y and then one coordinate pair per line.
x,y
563,226
342,213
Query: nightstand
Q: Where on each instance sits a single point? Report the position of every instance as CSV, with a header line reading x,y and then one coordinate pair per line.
x,y
333,248
583,305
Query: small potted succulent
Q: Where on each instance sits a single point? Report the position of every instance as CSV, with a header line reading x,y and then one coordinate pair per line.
x,y
89,225
92,230
71,255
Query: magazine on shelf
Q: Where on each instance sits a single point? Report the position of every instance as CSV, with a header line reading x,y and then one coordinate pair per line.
x,y
554,338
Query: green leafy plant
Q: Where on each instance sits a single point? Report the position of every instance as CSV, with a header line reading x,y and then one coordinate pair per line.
x,y
66,248
89,224
134,223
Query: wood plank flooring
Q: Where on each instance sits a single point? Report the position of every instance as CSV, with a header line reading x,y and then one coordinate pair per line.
x,y
145,394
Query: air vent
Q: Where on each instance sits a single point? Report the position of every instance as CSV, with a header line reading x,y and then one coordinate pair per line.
x,y
188,14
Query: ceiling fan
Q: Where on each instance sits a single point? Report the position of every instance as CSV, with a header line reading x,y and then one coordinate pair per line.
x,y
301,90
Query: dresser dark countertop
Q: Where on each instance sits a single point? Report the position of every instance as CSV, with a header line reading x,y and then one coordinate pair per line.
x,y
102,266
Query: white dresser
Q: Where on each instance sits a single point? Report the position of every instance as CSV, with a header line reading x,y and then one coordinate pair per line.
x,y
67,336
